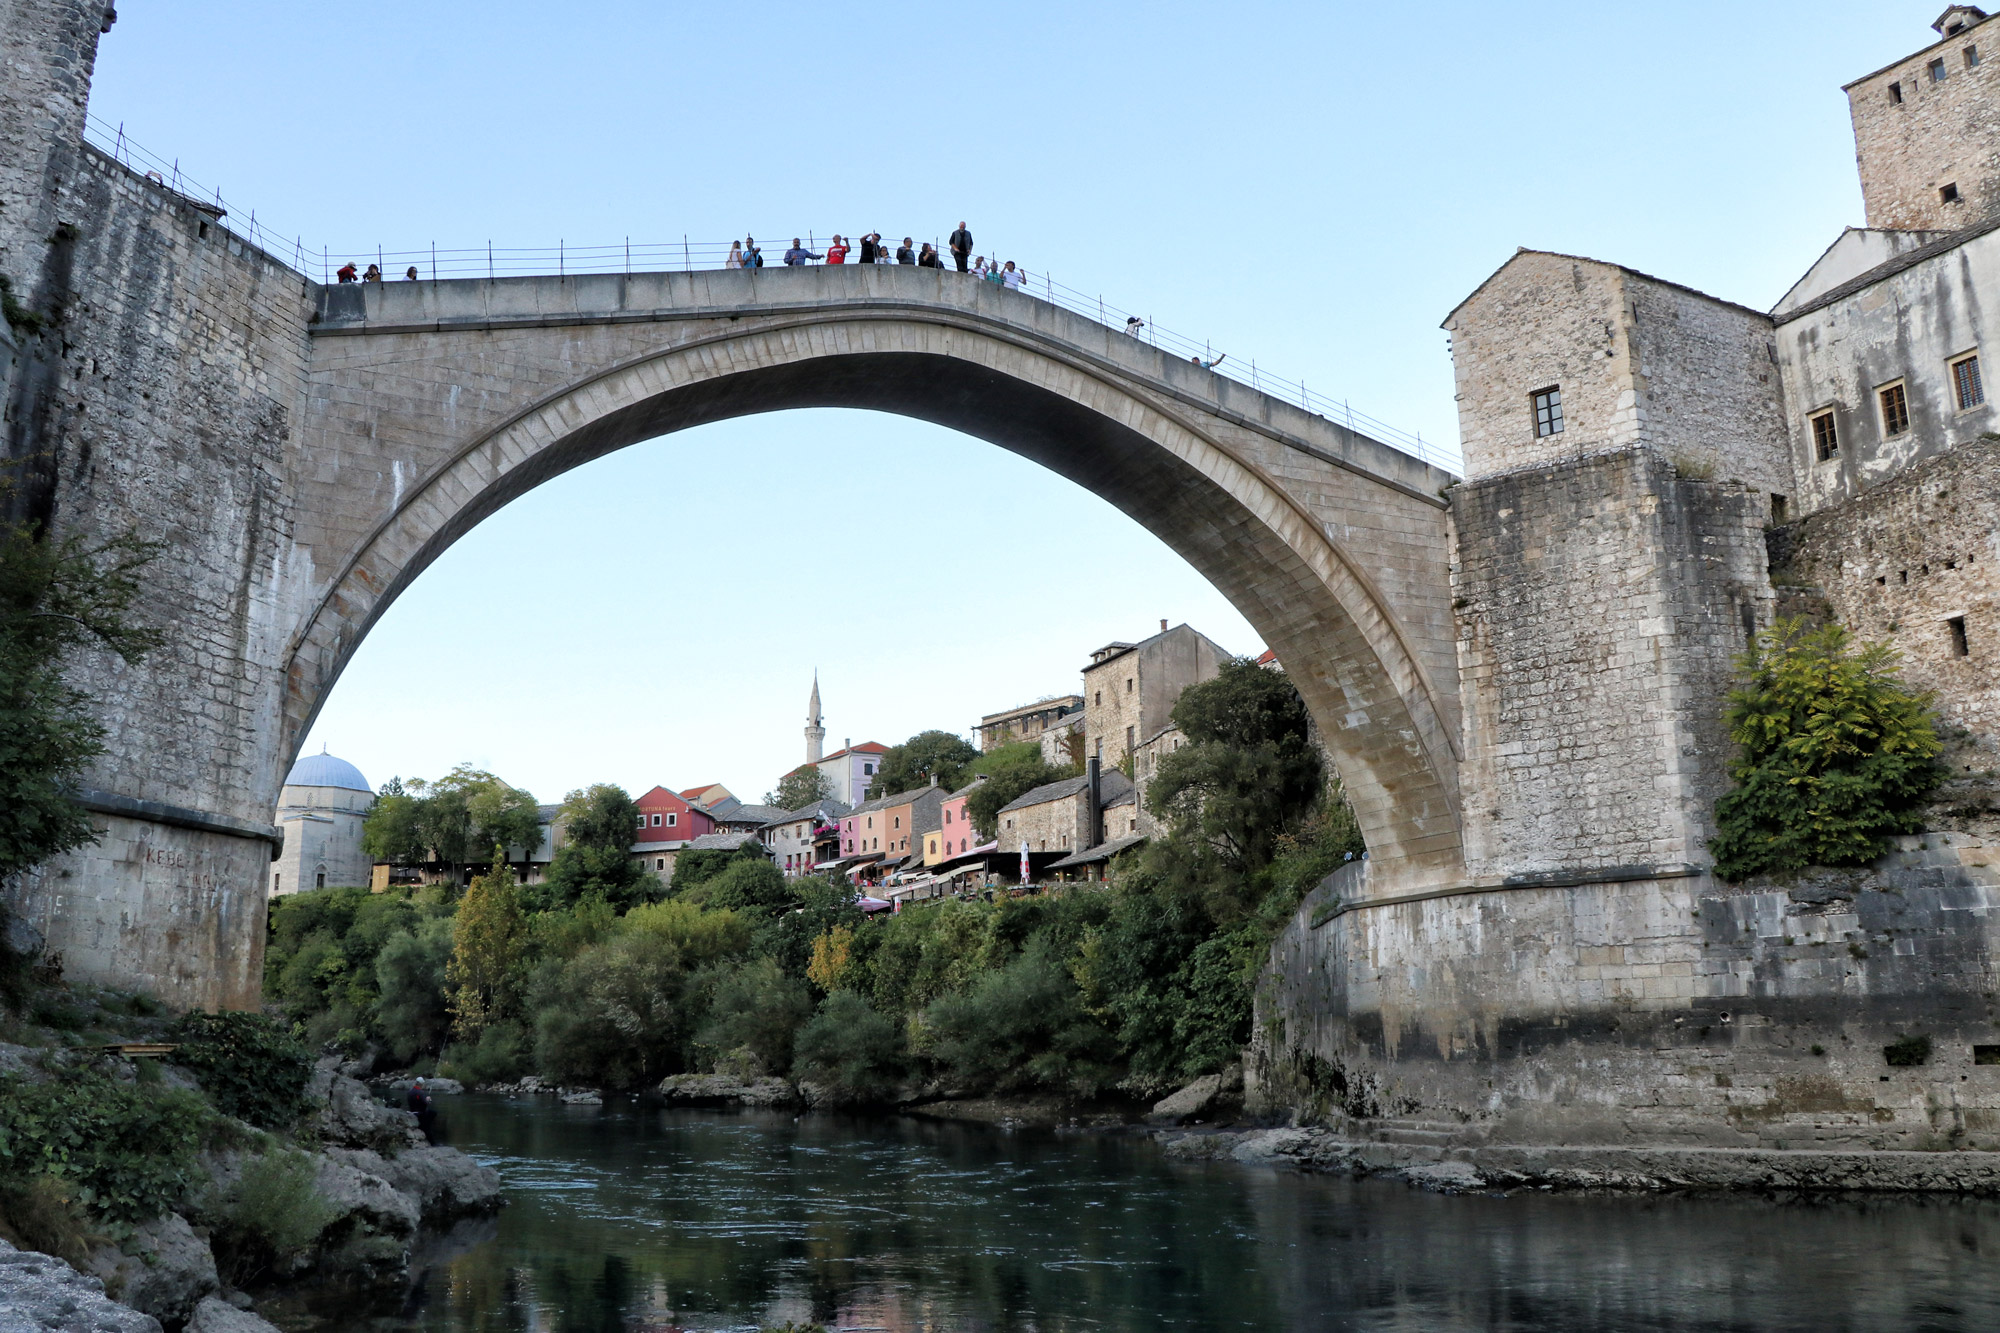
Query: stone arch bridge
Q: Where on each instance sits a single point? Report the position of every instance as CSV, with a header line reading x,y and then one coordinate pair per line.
x,y
419,408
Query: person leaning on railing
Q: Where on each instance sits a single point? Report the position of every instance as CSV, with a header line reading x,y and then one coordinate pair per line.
x,y
798,254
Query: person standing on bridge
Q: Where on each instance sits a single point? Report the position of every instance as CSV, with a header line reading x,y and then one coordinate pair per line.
x,y
837,252
410,273
752,256
978,268
961,246
735,259
798,255
345,273
1011,278
871,245
904,254
927,257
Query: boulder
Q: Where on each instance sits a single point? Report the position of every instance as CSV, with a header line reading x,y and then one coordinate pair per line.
x,y
163,1269
352,1117
42,1294
1189,1103
443,1087
219,1316
445,1183
582,1097
364,1201
727,1090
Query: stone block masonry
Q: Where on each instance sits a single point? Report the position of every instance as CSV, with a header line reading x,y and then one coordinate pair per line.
x,y
1601,604
1916,562
1925,123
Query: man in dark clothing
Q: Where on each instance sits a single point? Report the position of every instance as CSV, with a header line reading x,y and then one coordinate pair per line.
x,y
904,254
419,1105
871,245
961,246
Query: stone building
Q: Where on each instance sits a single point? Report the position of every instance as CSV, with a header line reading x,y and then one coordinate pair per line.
x,y
1924,130
1029,722
321,810
1130,689
794,836
1059,818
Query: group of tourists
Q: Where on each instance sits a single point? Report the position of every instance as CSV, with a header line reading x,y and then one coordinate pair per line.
x,y
872,249
374,274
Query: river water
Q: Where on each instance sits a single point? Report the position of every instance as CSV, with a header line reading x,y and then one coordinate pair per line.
x,y
633,1219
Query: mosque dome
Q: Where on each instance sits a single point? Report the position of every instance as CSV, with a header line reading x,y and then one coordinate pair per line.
x,y
323,770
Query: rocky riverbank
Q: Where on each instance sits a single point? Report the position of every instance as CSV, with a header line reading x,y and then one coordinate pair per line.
x,y
341,1199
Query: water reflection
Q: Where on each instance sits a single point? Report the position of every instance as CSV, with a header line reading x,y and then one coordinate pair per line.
x,y
627,1219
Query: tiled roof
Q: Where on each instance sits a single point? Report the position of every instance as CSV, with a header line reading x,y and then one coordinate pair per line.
x,y
754,814
1103,851
1110,786
720,842
1907,260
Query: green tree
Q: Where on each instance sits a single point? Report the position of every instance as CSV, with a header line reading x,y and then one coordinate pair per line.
x,y
1011,772
926,755
487,938
1837,754
450,821
411,1012
595,860
695,868
754,1007
56,598
1248,776
855,1053
803,786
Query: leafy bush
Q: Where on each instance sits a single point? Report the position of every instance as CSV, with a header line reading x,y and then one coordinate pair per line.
x,y
1837,754
45,1212
850,1049
699,936
499,1056
411,1012
613,1015
755,1007
249,1066
1020,1027
129,1151
272,1213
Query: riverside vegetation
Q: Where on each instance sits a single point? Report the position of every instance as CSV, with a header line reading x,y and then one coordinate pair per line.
x,y
602,976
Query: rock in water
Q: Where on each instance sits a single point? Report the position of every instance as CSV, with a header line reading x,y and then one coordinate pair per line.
x,y
442,1087
727,1090
41,1294
446,1183
1189,1102
163,1269
218,1316
583,1097
351,1116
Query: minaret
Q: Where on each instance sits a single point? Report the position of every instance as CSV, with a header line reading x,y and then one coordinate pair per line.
x,y
815,733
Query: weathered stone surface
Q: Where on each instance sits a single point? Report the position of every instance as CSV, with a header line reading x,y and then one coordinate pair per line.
x,y
446,1183
163,1269
1189,1102
219,1316
437,1086
365,1201
727,1090
41,1294
352,1116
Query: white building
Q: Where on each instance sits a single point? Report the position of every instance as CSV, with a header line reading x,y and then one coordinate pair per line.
x,y
321,810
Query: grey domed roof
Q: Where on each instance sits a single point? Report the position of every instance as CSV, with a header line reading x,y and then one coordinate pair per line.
x,y
323,770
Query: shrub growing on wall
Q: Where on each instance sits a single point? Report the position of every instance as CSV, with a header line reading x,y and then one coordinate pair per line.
x,y
1837,754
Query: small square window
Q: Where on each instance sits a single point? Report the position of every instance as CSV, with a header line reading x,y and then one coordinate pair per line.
x,y
1895,410
1986,1055
1966,384
1971,56
1959,646
656,821
1948,192
1937,70
1895,94
671,819
1548,404
1826,437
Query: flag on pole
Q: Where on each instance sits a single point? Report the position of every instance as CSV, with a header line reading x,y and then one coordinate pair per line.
x,y
1024,860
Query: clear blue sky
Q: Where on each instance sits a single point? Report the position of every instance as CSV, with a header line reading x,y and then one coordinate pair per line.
x,y
1312,184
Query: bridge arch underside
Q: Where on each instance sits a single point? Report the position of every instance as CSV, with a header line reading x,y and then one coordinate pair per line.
x,y
1389,731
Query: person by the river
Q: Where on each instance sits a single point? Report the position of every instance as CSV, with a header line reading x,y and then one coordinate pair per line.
x,y
418,1103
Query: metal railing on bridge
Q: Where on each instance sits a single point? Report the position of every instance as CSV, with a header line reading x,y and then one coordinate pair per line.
x,y
685,254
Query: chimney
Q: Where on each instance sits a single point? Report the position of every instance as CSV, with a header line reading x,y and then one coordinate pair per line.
x,y
1163,624
1091,808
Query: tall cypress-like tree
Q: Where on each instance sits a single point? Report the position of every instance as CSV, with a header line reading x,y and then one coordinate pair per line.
x,y
487,939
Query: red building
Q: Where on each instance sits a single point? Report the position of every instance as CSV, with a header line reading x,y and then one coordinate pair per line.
x,y
665,816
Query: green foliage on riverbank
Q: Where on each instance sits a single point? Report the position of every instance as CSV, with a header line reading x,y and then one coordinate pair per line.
x,y
1134,986
1837,754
